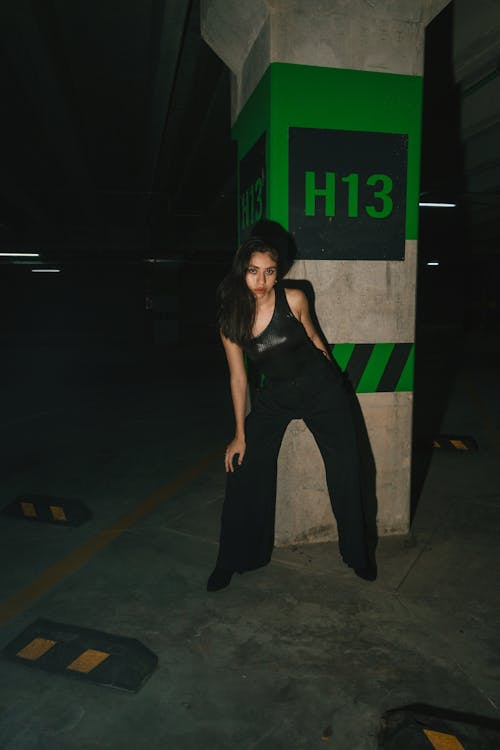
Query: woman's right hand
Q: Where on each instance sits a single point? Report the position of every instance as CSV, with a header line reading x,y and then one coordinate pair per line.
x,y
236,446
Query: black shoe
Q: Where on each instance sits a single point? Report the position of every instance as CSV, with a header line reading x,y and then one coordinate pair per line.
x,y
368,574
219,579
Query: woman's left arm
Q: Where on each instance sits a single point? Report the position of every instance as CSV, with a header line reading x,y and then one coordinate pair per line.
x,y
300,308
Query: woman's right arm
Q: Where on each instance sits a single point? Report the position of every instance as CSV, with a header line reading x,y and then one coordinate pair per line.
x,y
238,382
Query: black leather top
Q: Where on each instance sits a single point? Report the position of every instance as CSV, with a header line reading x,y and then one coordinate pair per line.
x,y
283,349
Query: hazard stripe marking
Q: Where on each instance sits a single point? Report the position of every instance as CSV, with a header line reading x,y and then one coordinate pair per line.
x,y
28,509
459,445
405,382
37,648
442,741
342,354
358,362
395,368
370,368
89,660
377,368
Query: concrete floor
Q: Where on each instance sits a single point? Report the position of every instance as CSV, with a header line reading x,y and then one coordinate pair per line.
x,y
297,656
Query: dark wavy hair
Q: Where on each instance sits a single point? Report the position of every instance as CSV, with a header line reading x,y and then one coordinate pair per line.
x,y
235,302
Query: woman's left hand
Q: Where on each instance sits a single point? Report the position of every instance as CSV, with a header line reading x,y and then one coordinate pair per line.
x,y
237,446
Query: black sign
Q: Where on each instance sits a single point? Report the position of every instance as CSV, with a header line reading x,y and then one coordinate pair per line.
x,y
347,194
252,190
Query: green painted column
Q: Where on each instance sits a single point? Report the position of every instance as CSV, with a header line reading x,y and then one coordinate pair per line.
x,y
327,112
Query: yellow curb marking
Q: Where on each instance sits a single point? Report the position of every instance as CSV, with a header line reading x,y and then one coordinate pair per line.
x,y
36,648
89,660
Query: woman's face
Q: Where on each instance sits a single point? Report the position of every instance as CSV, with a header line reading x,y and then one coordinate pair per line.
x,y
261,274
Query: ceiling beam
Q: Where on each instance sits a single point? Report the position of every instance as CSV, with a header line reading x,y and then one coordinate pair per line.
x,y
168,28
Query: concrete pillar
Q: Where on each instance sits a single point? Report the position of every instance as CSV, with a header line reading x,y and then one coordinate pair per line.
x,y
326,107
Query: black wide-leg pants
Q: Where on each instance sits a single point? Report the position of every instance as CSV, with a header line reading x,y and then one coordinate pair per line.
x,y
318,397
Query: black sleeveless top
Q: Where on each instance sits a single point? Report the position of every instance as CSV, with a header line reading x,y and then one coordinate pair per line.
x,y
283,350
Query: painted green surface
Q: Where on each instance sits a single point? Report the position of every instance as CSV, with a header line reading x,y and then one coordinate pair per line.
x,y
253,119
375,368
252,122
405,382
313,97
342,354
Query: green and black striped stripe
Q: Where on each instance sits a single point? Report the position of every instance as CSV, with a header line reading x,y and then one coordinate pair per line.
x,y
371,368
376,368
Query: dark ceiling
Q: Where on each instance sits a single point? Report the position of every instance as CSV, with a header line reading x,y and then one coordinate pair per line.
x,y
115,135
115,131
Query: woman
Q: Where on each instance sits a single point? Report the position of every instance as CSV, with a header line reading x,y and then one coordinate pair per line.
x,y
271,325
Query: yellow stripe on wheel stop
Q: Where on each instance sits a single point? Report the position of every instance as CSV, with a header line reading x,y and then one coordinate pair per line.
x,y
89,660
28,510
37,648
442,741
58,513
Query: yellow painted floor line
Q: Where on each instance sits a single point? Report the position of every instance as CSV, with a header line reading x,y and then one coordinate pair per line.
x,y
79,556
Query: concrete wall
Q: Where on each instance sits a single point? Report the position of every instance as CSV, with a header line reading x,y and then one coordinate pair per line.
x,y
386,36
386,293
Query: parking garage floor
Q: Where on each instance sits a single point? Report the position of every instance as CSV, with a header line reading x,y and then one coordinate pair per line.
x,y
296,656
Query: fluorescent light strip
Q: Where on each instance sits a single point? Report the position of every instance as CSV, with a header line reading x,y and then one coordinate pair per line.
x,y
161,260
20,255
438,205
45,270
433,263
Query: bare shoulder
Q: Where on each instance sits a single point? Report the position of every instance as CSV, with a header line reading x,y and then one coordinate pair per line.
x,y
297,300
228,344
231,348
